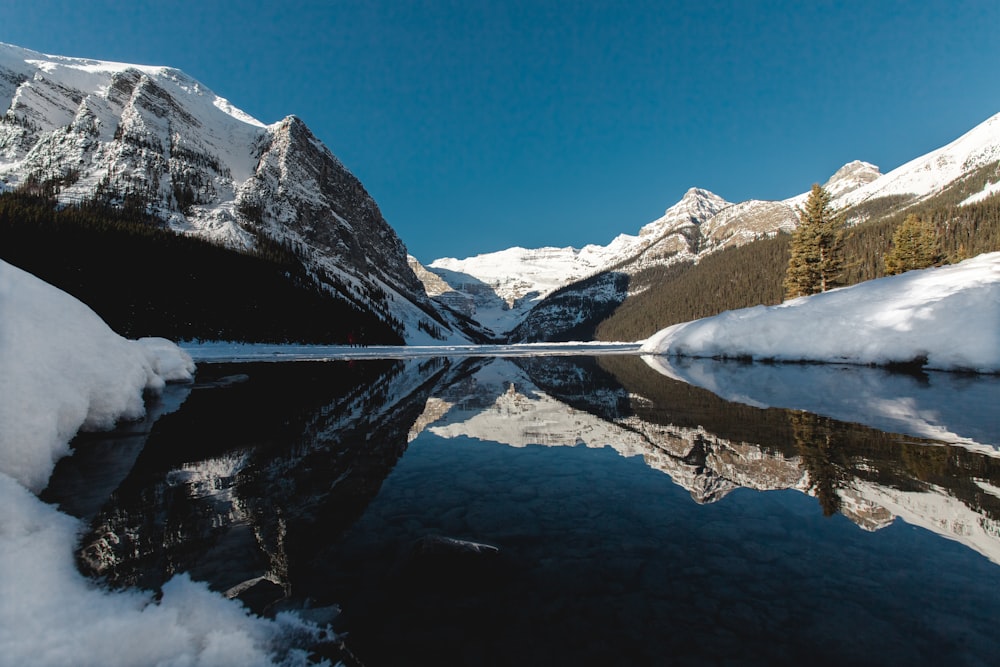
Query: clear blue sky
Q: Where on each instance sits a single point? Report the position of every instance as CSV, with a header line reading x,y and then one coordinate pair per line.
x,y
481,125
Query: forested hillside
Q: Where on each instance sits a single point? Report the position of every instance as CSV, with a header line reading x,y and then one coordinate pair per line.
x,y
143,279
732,278
753,274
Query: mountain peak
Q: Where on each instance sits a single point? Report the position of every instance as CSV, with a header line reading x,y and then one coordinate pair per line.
x,y
699,194
851,176
696,206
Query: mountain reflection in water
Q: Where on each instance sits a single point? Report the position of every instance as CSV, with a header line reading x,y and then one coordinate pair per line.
x,y
308,485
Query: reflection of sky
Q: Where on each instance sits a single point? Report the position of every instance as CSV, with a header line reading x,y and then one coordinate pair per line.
x,y
950,407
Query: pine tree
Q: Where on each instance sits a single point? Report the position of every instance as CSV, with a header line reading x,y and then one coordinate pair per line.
x,y
914,246
815,258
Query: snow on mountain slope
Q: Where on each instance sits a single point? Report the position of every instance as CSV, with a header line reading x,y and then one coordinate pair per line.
x,y
746,221
507,284
846,180
502,286
928,174
921,177
698,225
128,134
945,318
113,125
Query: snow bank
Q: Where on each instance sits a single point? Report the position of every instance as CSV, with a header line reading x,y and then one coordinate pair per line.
x,y
949,315
62,368
51,615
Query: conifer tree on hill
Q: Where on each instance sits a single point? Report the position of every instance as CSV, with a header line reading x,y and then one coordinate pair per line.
x,y
816,260
914,246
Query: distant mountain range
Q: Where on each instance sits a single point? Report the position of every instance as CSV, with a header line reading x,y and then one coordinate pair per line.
x,y
529,294
87,131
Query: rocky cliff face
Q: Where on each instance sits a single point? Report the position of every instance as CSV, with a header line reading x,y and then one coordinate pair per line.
x,y
154,138
319,204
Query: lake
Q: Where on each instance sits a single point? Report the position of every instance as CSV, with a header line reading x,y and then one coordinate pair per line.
x,y
547,510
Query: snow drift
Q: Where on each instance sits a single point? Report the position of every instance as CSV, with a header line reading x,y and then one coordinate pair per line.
x,y
64,370
945,318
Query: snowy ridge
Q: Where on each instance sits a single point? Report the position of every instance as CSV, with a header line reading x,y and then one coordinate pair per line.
x,y
921,177
930,173
845,181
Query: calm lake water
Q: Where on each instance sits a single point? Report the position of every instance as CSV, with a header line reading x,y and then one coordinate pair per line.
x,y
590,510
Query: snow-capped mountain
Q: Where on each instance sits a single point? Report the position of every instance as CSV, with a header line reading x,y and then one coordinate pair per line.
x,y
506,285
700,224
121,133
503,289
929,174
531,294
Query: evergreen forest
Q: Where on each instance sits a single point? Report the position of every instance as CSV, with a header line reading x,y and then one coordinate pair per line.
x,y
145,280
755,273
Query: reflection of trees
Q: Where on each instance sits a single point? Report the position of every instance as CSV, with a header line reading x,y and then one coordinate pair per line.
x,y
822,457
835,454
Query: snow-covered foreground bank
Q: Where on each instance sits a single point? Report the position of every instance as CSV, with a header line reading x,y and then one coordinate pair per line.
x,y
948,316
63,369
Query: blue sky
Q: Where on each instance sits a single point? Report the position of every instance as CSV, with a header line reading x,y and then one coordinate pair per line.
x,y
482,125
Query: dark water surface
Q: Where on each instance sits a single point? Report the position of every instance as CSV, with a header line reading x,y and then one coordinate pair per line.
x,y
541,511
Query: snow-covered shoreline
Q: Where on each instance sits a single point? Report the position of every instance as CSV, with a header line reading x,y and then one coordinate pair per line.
x,y
65,370
945,318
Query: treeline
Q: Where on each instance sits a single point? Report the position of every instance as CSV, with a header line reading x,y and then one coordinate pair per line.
x,y
145,280
962,232
736,277
753,274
